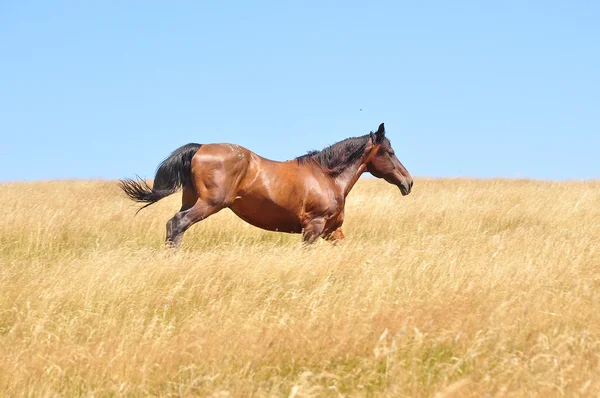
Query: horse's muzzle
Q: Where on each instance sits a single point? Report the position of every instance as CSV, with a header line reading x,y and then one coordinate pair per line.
x,y
406,187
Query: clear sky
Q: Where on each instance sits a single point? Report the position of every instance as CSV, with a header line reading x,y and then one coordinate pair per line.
x,y
106,89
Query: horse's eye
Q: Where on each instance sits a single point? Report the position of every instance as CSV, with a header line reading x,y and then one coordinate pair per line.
x,y
392,153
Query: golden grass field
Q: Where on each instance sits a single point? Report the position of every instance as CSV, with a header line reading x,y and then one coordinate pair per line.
x,y
463,288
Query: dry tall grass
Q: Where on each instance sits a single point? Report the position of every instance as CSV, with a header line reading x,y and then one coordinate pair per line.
x,y
464,288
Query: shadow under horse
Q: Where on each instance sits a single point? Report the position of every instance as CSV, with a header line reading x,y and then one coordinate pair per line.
x,y
305,195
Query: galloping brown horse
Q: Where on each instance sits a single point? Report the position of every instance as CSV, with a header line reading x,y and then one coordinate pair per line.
x,y
304,195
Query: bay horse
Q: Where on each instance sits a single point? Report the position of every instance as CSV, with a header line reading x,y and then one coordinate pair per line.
x,y
305,195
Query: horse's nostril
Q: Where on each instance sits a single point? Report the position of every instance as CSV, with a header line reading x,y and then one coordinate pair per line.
x,y
404,188
411,184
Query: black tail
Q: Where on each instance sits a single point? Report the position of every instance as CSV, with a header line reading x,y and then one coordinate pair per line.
x,y
172,174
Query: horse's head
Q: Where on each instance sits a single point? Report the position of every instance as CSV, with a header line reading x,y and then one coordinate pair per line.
x,y
384,163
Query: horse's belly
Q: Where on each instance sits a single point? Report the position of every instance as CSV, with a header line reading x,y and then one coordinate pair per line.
x,y
267,215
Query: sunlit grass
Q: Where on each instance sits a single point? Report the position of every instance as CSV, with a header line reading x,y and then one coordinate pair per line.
x,y
464,287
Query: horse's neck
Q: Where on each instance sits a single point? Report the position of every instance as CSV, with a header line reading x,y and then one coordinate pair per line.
x,y
347,178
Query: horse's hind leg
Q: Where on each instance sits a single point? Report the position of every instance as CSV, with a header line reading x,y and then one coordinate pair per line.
x,y
184,219
188,198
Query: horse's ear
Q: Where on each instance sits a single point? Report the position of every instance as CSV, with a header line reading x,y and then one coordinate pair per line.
x,y
380,134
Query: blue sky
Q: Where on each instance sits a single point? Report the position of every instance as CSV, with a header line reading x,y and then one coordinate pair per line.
x,y
106,89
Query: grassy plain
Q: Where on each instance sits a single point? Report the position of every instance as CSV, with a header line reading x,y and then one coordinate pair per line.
x,y
463,288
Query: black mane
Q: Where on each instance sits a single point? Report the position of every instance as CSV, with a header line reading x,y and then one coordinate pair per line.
x,y
337,157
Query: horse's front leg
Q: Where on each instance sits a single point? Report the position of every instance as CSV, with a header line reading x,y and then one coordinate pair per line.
x,y
336,236
312,230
